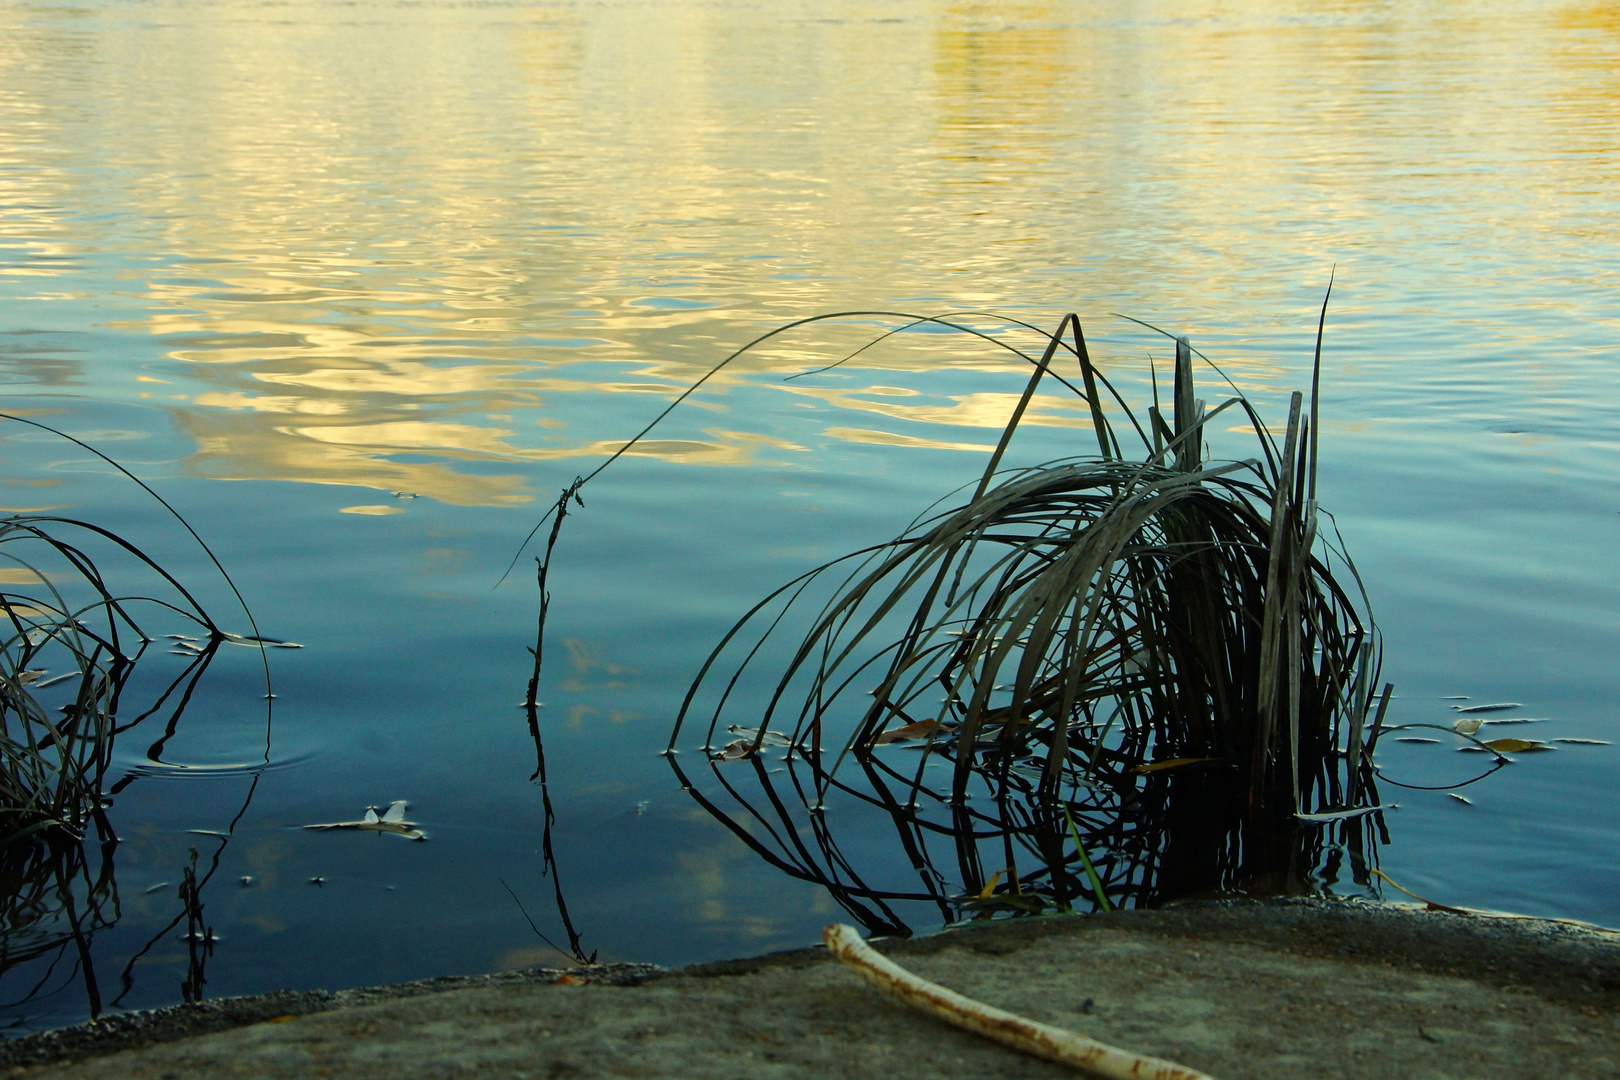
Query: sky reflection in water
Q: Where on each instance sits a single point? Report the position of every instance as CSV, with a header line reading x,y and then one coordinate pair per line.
x,y
338,252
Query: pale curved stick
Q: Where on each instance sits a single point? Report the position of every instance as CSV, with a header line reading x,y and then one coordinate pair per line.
x,y
1041,1040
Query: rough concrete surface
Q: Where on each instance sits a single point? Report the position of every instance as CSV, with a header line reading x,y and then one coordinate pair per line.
x,y
1236,989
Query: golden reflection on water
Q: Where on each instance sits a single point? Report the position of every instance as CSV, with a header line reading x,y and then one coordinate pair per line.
x,y
381,242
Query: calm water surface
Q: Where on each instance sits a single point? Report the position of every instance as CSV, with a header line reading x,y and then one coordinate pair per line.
x,y
283,260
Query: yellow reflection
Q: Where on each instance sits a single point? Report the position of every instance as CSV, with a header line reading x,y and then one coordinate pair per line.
x,y
885,438
16,575
413,435
238,400
361,240
1590,17
981,410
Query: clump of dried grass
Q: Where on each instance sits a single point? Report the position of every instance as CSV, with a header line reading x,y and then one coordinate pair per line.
x,y
64,627
1077,640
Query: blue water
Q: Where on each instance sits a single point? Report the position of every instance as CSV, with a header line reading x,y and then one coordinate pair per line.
x,y
283,261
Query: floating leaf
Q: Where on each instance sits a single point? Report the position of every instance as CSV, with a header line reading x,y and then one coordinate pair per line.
x,y
1509,746
1584,742
1465,800
919,730
391,820
735,750
772,738
1467,727
1515,720
253,640
1344,815
1420,739
1494,707
1513,746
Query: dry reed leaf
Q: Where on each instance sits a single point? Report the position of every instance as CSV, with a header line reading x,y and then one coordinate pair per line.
x,y
1430,904
1173,763
989,889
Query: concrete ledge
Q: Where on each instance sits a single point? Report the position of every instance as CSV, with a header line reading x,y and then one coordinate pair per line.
x,y
1236,988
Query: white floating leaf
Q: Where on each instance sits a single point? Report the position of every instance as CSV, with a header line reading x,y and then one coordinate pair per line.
x,y
1344,815
772,738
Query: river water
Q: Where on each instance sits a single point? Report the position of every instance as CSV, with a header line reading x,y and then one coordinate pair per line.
x,y
284,260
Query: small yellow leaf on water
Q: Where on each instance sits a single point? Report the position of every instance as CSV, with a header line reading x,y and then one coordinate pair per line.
x,y
1467,727
281,1019
373,510
1173,763
1510,746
